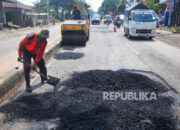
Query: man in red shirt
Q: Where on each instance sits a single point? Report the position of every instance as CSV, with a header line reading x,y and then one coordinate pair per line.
x,y
33,46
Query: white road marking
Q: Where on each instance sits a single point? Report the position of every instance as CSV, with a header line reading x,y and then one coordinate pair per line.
x,y
132,49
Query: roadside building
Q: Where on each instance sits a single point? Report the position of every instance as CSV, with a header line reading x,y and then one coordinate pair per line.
x,y
2,15
177,13
38,18
14,12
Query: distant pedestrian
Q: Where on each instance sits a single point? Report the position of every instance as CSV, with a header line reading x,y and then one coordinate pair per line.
x,y
115,23
33,46
108,23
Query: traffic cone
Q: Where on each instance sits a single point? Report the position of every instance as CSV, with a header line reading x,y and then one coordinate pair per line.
x,y
114,28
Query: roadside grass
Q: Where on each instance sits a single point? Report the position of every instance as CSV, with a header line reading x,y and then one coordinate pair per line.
x,y
176,29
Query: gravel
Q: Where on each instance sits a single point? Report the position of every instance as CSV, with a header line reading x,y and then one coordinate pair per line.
x,y
114,80
81,106
68,56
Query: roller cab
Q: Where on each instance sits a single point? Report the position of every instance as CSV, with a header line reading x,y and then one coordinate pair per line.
x,y
76,32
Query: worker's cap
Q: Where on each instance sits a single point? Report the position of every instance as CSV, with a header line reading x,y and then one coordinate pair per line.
x,y
44,34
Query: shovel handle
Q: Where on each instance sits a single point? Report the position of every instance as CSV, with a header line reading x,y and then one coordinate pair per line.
x,y
34,69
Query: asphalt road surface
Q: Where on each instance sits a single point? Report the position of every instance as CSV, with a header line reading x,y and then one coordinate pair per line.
x,y
109,63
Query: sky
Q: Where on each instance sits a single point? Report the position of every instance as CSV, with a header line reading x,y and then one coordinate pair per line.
x,y
95,4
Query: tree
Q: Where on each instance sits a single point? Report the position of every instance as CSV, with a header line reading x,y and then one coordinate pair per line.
x,y
153,4
114,6
61,6
42,6
58,7
121,6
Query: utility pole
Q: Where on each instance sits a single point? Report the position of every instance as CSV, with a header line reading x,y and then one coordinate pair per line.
x,y
170,13
38,20
47,15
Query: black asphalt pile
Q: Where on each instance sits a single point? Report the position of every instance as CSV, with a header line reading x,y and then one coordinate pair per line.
x,y
114,80
81,106
31,107
68,56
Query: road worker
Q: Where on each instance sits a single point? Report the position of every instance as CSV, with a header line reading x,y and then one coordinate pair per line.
x,y
76,14
33,46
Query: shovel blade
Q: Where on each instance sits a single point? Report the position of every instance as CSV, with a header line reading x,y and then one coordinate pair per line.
x,y
54,81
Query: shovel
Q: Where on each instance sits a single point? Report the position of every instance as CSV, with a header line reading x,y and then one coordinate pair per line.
x,y
50,79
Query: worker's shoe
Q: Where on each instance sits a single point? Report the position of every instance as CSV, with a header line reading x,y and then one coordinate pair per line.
x,y
28,89
43,81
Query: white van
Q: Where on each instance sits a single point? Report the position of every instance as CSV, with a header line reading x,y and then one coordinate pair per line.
x,y
140,23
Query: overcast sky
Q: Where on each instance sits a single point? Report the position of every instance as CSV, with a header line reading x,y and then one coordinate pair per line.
x,y
95,4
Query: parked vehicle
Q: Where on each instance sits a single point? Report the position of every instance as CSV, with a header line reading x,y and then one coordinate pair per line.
x,y
96,19
139,21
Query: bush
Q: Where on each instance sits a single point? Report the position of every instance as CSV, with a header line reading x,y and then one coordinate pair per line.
x,y
11,25
175,29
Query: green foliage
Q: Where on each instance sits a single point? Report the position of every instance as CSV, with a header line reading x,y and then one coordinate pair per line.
x,y
121,6
11,25
118,6
42,6
176,29
114,6
55,7
58,8
153,4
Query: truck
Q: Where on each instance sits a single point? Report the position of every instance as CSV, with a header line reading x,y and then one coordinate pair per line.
x,y
96,19
139,21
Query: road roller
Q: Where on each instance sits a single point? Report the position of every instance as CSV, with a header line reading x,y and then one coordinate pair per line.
x,y
76,31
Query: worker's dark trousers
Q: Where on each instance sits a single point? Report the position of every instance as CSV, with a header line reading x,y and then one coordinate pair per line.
x,y
27,59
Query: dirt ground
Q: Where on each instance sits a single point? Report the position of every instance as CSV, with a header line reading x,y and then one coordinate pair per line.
x,y
168,37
